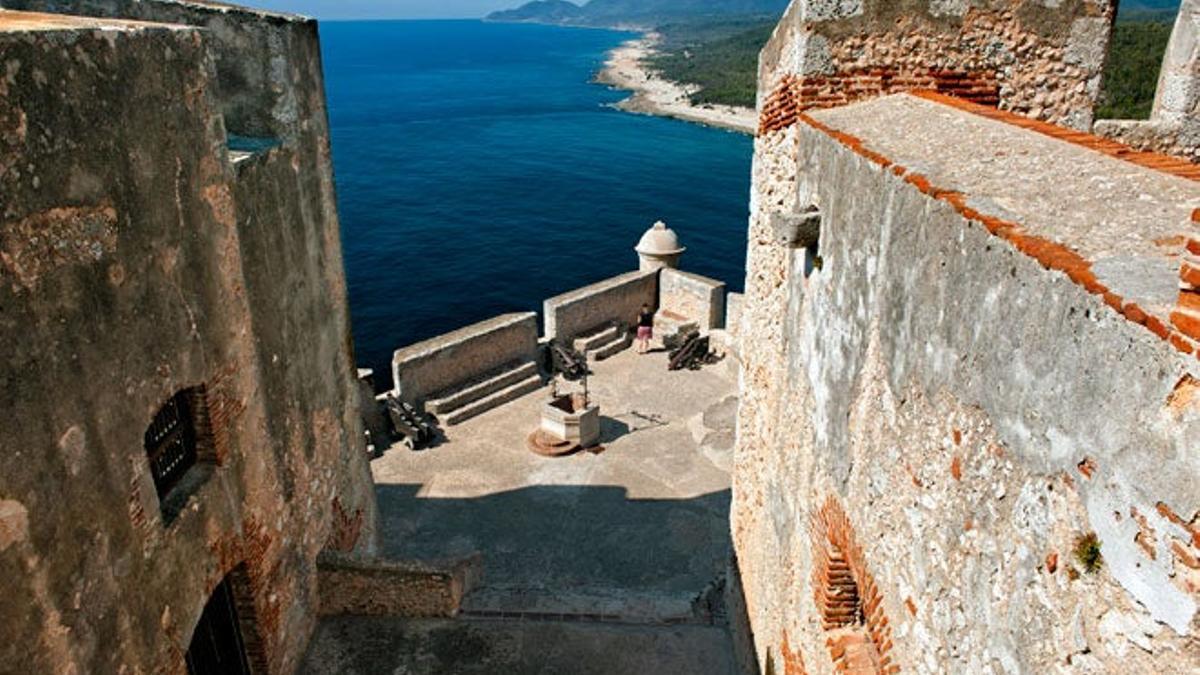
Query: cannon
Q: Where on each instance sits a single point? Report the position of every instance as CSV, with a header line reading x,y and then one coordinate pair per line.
x,y
412,426
570,363
691,353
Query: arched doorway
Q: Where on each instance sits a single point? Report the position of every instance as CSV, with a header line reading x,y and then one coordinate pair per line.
x,y
226,628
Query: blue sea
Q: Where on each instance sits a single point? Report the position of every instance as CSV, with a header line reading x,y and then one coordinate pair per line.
x,y
480,171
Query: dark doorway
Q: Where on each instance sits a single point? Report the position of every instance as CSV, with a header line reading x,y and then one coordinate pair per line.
x,y
217,647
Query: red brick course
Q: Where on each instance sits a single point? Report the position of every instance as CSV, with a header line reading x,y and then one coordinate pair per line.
x,y
847,598
1186,316
796,94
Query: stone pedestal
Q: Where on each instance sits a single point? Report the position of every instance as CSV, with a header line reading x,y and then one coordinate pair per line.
x,y
567,424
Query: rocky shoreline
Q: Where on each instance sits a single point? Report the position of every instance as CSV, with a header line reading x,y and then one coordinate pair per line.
x,y
652,95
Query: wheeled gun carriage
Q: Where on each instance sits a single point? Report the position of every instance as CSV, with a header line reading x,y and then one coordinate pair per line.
x,y
570,363
690,352
413,426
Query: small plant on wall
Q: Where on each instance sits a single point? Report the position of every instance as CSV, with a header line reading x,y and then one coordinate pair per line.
x,y
1087,552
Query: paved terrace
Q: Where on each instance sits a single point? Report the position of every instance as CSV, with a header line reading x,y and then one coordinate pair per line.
x,y
606,562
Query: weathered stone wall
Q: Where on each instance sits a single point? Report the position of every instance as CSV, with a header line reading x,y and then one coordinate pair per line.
x,y
692,296
1039,58
938,408
136,261
618,299
376,587
1174,124
449,360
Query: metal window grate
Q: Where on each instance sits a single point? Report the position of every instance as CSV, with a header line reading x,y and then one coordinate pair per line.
x,y
171,442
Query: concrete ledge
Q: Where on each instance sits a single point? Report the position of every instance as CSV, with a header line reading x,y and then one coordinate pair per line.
x,y
351,585
733,312
615,299
697,298
440,363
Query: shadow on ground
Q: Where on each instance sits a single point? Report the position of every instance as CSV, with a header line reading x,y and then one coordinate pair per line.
x,y
558,539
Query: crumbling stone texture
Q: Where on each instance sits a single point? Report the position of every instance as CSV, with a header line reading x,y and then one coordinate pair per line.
x,y
946,373
1040,59
137,261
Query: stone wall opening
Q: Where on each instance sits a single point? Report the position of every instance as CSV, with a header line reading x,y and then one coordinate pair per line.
x,y
225,641
179,449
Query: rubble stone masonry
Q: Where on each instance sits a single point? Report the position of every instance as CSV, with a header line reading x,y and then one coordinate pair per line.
x,y
1039,58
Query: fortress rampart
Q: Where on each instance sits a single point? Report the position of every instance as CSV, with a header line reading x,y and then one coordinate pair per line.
x,y
968,408
170,282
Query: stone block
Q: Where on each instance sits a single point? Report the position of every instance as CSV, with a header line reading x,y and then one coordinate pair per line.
x,y
697,299
443,362
614,300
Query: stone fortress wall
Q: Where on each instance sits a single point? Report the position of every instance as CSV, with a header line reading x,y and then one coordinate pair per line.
x,y
968,364
614,300
439,363
145,251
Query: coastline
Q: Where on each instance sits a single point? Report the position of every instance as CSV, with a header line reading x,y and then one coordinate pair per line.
x,y
653,95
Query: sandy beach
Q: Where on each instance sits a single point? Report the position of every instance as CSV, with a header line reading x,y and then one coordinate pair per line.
x,y
652,95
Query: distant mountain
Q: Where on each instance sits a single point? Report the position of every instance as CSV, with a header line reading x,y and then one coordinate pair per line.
x,y
1147,10
540,11
633,12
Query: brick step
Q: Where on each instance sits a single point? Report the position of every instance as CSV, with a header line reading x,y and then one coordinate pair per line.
x,y
597,338
616,346
448,401
458,415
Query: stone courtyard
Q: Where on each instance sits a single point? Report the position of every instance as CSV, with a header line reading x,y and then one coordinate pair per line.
x,y
619,550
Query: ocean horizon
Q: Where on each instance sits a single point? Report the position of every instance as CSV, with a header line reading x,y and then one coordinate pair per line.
x,y
480,170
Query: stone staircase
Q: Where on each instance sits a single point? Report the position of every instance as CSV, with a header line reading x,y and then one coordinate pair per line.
x,y
603,342
481,395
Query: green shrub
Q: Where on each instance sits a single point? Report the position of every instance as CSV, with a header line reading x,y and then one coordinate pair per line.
x,y
1087,552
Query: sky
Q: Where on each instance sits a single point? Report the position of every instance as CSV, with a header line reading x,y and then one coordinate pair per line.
x,y
385,9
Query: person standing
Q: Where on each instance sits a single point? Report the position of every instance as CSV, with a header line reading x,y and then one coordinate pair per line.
x,y
645,329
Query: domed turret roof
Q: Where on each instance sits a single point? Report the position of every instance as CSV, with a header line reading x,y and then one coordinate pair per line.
x,y
659,240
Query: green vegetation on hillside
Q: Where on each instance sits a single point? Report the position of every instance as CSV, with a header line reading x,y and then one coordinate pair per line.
x,y
1134,57
722,58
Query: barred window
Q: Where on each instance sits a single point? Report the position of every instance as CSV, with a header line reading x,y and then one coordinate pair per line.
x,y
177,441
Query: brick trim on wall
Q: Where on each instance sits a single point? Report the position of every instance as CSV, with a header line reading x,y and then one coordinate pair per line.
x,y
849,603
1052,255
1186,316
797,94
